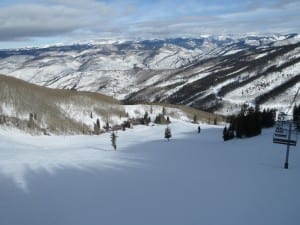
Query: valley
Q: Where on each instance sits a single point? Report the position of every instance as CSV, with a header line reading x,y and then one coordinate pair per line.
x,y
216,74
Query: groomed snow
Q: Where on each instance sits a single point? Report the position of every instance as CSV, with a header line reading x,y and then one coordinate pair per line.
x,y
192,179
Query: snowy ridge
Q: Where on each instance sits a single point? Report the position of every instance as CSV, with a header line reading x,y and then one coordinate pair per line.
x,y
207,73
40,110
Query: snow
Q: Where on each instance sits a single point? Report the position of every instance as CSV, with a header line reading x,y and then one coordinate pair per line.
x,y
248,92
261,55
231,52
283,42
252,42
283,101
106,68
192,179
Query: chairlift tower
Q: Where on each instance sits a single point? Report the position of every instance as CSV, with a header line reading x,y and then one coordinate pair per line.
x,y
285,131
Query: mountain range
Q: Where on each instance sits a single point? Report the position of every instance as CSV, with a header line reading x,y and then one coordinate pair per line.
x,y
216,74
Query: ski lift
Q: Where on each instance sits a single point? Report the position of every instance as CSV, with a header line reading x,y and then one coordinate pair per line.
x,y
285,133
281,116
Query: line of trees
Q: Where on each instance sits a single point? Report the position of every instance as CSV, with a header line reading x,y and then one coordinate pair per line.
x,y
249,122
296,116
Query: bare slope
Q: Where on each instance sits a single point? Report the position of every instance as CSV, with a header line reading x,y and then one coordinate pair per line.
x,y
39,109
54,110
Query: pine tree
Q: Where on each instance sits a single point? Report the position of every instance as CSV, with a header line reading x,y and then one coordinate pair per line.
x,y
35,116
97,127
31,121
98,123
225,134
107,126
160,119
195,119
145,119
164,112
168,120
250,121
296,116
168,134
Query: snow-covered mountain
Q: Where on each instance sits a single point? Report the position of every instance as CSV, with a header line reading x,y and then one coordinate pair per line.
x,y
40,110
211,73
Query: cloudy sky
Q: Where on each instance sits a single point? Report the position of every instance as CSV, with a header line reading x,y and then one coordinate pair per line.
x,y
39,22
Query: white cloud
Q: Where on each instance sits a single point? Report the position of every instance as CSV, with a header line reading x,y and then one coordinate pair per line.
x,y
43,20
90,18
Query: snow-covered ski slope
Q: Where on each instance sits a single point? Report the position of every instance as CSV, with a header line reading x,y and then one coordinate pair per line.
x,y
192,179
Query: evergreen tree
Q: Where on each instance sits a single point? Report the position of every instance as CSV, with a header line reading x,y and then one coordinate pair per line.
x,y
164,112
268,118
296,116
225,134
98,123
160,119
31,121
239,124
168,134
145,119
35,116
107,126
250,121
228,133
215,120
195,118
168,120
97,127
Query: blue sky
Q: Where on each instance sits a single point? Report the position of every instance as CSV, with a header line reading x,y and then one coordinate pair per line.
x,y
39,22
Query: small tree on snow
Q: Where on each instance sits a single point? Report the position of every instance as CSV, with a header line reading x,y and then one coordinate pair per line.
x,y
31,121
106,126
164,111
168,134
168,120
160,119
97,127
215,121
146,119
195,119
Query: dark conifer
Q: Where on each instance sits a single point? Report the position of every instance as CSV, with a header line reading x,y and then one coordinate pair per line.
x,y
164,111
195,119
168,134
